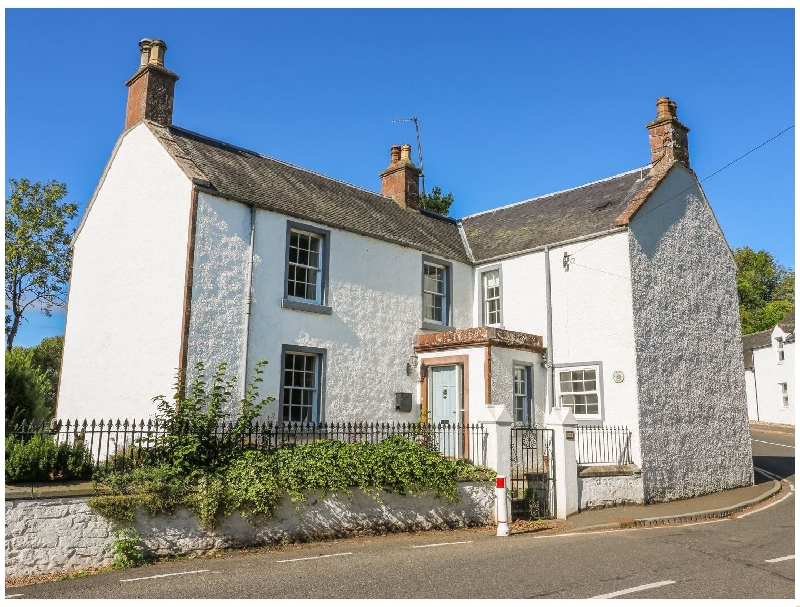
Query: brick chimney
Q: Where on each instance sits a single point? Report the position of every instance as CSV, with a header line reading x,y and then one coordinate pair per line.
x,y
401,179
668,136
151,90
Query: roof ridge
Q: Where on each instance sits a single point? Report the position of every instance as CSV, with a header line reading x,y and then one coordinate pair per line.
x,y
513,204
283,162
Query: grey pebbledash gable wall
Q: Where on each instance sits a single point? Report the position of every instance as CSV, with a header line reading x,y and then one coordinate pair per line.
x,y
692,403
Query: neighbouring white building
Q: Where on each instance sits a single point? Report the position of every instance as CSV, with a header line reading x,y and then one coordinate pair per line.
x,y
769,373
616,299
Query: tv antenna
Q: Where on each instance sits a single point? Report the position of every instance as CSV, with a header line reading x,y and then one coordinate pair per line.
x,y
419,148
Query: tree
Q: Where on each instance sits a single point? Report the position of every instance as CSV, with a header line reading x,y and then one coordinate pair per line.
x,y
47,358
38,256
436,202
766,290
26,389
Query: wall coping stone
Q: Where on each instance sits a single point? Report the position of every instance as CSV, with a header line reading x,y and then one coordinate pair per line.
x,y
32,491
609,470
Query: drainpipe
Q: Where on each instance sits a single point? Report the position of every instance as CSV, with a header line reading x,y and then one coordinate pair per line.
x,y
248,300
549,303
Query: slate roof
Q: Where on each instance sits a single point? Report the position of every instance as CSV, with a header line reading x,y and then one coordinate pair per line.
x,y
552,218
249,177
762,339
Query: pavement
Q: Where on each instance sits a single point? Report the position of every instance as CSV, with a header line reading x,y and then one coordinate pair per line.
x,y
716,505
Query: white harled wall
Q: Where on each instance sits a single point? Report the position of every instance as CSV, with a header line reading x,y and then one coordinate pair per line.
x,y
375,296
693,410
123,329
592,318
769,374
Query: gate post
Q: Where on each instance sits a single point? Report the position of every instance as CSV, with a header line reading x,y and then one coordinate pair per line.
x,y
497,422
563,423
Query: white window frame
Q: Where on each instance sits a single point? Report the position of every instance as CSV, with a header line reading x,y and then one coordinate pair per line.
x,y
526,408
485,299
597,367
447,279
781,351
316,358
784,387
319,302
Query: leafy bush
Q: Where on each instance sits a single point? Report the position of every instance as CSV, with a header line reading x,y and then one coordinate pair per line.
x,y
126,551
27,388
40,459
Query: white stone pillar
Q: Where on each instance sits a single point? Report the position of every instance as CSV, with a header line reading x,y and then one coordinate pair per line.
x,y
563,423
497,422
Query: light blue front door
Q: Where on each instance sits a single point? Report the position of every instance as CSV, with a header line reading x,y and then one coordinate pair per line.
x,y
446,409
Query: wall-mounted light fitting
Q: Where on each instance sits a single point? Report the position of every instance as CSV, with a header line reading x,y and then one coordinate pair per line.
x,y
411,365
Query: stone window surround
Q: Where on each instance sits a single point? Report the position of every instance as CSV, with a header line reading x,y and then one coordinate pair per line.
x,y
598,367
304,306
447,325
322,355
491,268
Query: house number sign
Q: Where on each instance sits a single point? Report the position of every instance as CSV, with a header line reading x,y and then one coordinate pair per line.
x,y
619,377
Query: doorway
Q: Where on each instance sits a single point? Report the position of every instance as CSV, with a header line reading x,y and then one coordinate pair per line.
x,y
447,408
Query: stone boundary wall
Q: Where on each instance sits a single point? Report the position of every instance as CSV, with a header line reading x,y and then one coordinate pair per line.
x,y
62,534
603,486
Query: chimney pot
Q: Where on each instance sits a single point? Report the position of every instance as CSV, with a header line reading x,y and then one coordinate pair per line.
x,y
158,49
405,152
144,48
395,154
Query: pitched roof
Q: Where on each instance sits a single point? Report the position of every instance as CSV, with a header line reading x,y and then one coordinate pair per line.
x,y
557,217
249,177
753,341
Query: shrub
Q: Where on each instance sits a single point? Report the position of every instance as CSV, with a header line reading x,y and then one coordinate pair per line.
x,y
40,459
27,388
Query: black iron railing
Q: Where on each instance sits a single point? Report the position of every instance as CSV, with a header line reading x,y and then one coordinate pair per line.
x,y
603,445
123,444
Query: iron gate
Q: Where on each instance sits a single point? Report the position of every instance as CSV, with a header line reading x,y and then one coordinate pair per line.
x,y
533,489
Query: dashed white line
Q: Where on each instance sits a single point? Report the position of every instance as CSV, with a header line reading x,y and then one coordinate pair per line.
x,y
763,442
311,558
442,544
611,595
783,558
152,577
13,596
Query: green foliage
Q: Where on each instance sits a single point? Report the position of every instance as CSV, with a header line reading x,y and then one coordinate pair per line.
x,y
26,389
125,548
38,256
40,459
47,357
192,443
436,202
766,290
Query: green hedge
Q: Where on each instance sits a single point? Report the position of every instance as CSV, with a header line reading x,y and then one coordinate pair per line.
x,y
40,459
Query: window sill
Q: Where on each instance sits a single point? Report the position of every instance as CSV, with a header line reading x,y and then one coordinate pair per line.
x,y
432,326
305,307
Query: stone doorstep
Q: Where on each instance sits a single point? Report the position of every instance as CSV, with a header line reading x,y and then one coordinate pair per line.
x,y
609,470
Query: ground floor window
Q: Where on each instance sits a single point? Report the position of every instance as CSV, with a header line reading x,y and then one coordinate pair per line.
x,y
522,394
301,386
784,395
579,390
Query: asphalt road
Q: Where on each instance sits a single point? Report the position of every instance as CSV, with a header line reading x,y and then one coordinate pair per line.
x,y
751,556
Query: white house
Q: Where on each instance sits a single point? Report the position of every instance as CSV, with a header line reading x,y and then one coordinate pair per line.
x,y
616,299
769,373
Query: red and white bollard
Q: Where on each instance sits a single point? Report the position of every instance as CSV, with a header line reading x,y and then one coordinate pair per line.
x,y
502,507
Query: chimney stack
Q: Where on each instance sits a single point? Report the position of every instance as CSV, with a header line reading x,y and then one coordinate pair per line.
x,y
151,90
400,180
669,139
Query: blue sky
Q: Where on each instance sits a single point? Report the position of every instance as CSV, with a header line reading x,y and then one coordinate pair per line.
x,y
512,104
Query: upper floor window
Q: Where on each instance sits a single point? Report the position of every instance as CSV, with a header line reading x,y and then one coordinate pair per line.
x,y
306,268
781,353
784,395
492,314
578,389
436,287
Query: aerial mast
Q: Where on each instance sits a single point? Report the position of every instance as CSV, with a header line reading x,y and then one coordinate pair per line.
x,y
419,149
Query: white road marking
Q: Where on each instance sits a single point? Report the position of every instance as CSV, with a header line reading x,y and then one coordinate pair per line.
x,y
152,577
773,444
442,544
13,596
311,558
783,558
774,477
611,595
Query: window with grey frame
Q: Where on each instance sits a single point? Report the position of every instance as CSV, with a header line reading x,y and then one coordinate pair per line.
x,y
301,386
305,270
578,390
492,301
523,409
435,287
784,395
